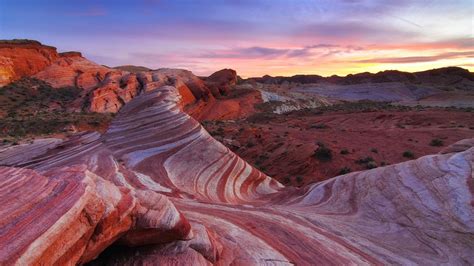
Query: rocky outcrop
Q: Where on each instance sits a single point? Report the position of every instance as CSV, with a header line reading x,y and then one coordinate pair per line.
x,y
417,212
69,215
132,69
114,91
107,90
21,58
104,89
71,69
221,81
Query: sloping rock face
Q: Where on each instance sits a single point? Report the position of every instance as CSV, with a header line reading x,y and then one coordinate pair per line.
x,y
198,203
21,58
71,69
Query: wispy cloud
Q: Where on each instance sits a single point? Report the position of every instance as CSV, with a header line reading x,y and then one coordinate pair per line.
x,y
319,50
417,59
253,36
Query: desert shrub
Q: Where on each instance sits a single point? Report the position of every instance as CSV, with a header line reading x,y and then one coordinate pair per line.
x,y
299,179
250,144
371,165
408,154
323,153
344,151
436,142
94,123
344,170
364,160
319,126
374,150
286,180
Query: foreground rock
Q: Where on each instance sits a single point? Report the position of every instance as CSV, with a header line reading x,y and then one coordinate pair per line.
x,y
69,215
166,192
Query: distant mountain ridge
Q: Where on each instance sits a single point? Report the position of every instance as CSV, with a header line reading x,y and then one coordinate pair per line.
x,y
440,76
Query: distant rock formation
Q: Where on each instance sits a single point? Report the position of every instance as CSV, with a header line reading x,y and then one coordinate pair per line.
x,y
132,69
104,89
439,77
220,82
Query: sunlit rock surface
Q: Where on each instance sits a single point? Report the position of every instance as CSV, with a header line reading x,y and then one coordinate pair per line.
x,y
21,58
166,192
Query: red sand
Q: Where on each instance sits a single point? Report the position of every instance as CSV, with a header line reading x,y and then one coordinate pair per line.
x,y
283,146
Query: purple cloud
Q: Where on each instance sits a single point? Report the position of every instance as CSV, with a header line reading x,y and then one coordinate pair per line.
x,y
416,59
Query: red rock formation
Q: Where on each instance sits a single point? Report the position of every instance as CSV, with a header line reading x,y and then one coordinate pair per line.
x,y
228,107
107,90
21,58
220,82
415,212
90,213
71,69
160,187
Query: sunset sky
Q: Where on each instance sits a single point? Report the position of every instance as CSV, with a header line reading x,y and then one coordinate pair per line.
x,y
255,37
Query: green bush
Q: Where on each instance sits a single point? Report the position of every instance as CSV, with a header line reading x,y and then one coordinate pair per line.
x,y
364,160
408,154
371,165
299,179
344,170
323,153
436,142
319,126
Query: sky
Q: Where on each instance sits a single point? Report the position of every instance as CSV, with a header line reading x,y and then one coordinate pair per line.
x,y
254,37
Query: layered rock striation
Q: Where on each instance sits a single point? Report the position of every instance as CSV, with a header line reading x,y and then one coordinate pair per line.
x,y
156,188
164,191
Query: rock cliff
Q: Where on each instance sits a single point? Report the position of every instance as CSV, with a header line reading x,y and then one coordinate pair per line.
x,y
21,58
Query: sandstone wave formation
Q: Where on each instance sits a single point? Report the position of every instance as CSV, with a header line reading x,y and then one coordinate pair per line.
x,y
158,184
156,188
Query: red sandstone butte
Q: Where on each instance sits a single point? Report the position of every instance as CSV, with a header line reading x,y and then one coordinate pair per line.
x,y
20,58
